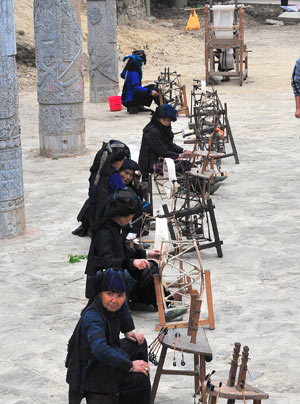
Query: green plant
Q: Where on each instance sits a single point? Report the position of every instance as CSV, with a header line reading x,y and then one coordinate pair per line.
x,y
76,258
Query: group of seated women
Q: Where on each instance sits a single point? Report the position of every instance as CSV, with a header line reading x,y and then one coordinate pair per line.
x,y
101,367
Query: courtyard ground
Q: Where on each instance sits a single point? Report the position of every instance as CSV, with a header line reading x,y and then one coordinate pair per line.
x,y
255,285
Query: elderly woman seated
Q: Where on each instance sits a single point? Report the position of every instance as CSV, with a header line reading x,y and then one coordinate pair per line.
x,y
109,249
101,367
158,140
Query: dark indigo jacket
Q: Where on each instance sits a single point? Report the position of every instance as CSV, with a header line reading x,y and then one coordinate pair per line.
x,y
157,142
109,250
99,340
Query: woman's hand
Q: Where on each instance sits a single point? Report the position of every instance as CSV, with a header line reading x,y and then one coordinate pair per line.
x,y
154,93
141,366
135,336
186,153
141,264
155,254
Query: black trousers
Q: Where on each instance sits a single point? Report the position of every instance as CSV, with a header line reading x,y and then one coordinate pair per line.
x,y
140,100
133,387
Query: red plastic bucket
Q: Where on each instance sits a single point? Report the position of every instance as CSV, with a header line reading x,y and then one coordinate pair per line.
x,y
115,103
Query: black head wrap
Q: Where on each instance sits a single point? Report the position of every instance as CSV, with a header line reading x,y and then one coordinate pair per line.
x,y
129,165
122,203
113,147
141,54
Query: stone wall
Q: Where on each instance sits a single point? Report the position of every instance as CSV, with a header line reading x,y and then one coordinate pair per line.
x,y
129,10
168,8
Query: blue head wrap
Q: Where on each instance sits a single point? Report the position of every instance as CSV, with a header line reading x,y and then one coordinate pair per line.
x,y
137,61
166,111
111,280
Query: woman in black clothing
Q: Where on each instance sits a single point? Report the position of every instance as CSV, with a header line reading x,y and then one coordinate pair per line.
x,y
158,139
109,249
131,175
102,367
104,180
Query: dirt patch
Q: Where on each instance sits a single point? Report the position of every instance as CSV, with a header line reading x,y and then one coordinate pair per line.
x,y
260,12
163,39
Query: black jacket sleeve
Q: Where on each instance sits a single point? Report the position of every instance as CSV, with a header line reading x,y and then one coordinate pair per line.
x,y
176,148
158,146
106,256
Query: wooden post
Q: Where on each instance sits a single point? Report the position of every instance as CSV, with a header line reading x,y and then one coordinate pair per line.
x,y
241,33
12,215
59,60
159,300
209,299
243,367
158,373
194,297
206,13
214,227
234,365
193,329
102,49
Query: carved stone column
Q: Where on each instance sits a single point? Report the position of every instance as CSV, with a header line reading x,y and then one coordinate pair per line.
x,y
59,61
12,216
102,48
148,8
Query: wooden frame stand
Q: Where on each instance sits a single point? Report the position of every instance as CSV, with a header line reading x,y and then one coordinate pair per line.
x,y
232,394
210,320
232,389
214,44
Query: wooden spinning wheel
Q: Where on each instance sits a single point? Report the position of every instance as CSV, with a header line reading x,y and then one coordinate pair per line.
x,y
171,91
189,210
209,119
181,279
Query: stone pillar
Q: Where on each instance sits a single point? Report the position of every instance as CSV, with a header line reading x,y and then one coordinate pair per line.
x,y
102,48
12,216
59,61
148,8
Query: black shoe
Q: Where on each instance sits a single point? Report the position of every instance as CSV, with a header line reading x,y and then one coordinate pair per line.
x,y
132,110
80,231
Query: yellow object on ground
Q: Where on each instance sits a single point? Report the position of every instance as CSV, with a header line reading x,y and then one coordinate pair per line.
x,y
193,22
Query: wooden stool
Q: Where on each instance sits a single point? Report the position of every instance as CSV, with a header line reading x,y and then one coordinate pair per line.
x,y
200,350
236,390
232,393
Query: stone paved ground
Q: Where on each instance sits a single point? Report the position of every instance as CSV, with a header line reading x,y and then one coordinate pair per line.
x,y
255,285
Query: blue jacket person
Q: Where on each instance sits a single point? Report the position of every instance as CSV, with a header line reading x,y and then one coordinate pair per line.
x,y
101,367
